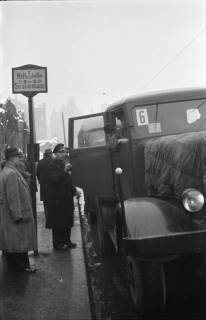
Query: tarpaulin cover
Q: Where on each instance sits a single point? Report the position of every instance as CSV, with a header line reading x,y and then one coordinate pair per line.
x,y
174,163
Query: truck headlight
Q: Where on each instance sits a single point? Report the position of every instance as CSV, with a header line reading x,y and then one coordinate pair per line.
x,y
192,200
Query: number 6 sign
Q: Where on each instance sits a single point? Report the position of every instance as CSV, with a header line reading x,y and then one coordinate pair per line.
x,y
142,117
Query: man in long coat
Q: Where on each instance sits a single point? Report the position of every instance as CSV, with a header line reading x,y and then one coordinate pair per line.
x,y
60,201
17,226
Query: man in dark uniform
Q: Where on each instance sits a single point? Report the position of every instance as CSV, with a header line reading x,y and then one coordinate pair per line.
x,y
42,176
60,201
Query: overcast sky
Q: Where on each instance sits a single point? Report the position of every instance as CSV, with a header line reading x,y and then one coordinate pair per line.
x,y
101,51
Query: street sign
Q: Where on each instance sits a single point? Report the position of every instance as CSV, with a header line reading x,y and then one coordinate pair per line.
x,y
29,79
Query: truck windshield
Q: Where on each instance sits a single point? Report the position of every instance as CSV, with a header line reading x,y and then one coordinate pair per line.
x,y
170,118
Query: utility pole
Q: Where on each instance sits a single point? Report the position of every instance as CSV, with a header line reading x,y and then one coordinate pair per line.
x,y
32,162
63,129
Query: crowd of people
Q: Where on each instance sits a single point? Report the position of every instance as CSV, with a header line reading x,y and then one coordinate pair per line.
x,y
17,225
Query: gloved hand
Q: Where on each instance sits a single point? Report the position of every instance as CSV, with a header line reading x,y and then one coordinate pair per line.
x,y
78,194
68,167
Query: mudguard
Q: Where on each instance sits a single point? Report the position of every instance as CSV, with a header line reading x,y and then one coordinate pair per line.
x,y
160,227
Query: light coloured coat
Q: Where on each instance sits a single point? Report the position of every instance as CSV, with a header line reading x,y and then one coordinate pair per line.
x,y
15,203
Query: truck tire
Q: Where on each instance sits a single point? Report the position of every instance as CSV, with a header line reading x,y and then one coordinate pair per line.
x,y
147,286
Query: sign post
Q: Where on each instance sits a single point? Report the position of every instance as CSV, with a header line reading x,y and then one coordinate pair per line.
x,y
30,80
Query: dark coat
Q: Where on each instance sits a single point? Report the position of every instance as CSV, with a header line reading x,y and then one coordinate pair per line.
x,y
60,197
42,172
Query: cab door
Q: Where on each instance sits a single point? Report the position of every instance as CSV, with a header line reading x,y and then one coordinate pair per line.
x,y
122,153
90,159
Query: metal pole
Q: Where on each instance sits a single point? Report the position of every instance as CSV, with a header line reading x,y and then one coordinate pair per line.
x,y
118,172
32,162
122,206
63,129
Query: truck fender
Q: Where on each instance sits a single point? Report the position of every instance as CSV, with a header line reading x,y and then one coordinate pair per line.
x,y
146,217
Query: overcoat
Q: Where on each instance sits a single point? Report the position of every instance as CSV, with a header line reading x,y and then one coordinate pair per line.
x,y
15,203
42,176
60,197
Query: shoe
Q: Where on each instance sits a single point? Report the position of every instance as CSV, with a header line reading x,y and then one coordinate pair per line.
x,y
71,245
61,248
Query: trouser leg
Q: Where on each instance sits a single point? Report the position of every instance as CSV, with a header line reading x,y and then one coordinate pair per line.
x,y
67,238
66,234
17,261
56,238
61,237
69,235
45,209
70,243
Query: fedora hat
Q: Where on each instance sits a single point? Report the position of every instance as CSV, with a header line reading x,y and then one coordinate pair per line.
x,y
11,152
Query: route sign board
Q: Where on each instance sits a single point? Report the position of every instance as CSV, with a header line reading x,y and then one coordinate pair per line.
x,y
29,79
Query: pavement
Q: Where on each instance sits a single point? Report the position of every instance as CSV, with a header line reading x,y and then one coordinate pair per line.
x,y
57,291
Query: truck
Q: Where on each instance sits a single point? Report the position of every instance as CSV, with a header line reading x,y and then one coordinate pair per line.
x,y
142,166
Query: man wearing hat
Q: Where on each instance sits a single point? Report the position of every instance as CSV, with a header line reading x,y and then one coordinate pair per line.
x,y
60,201
17,226
42,176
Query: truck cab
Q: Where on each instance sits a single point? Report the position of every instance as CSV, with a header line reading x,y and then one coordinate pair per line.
x,y
142,165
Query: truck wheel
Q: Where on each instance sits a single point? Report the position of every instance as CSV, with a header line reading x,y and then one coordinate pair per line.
x,y
147,286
